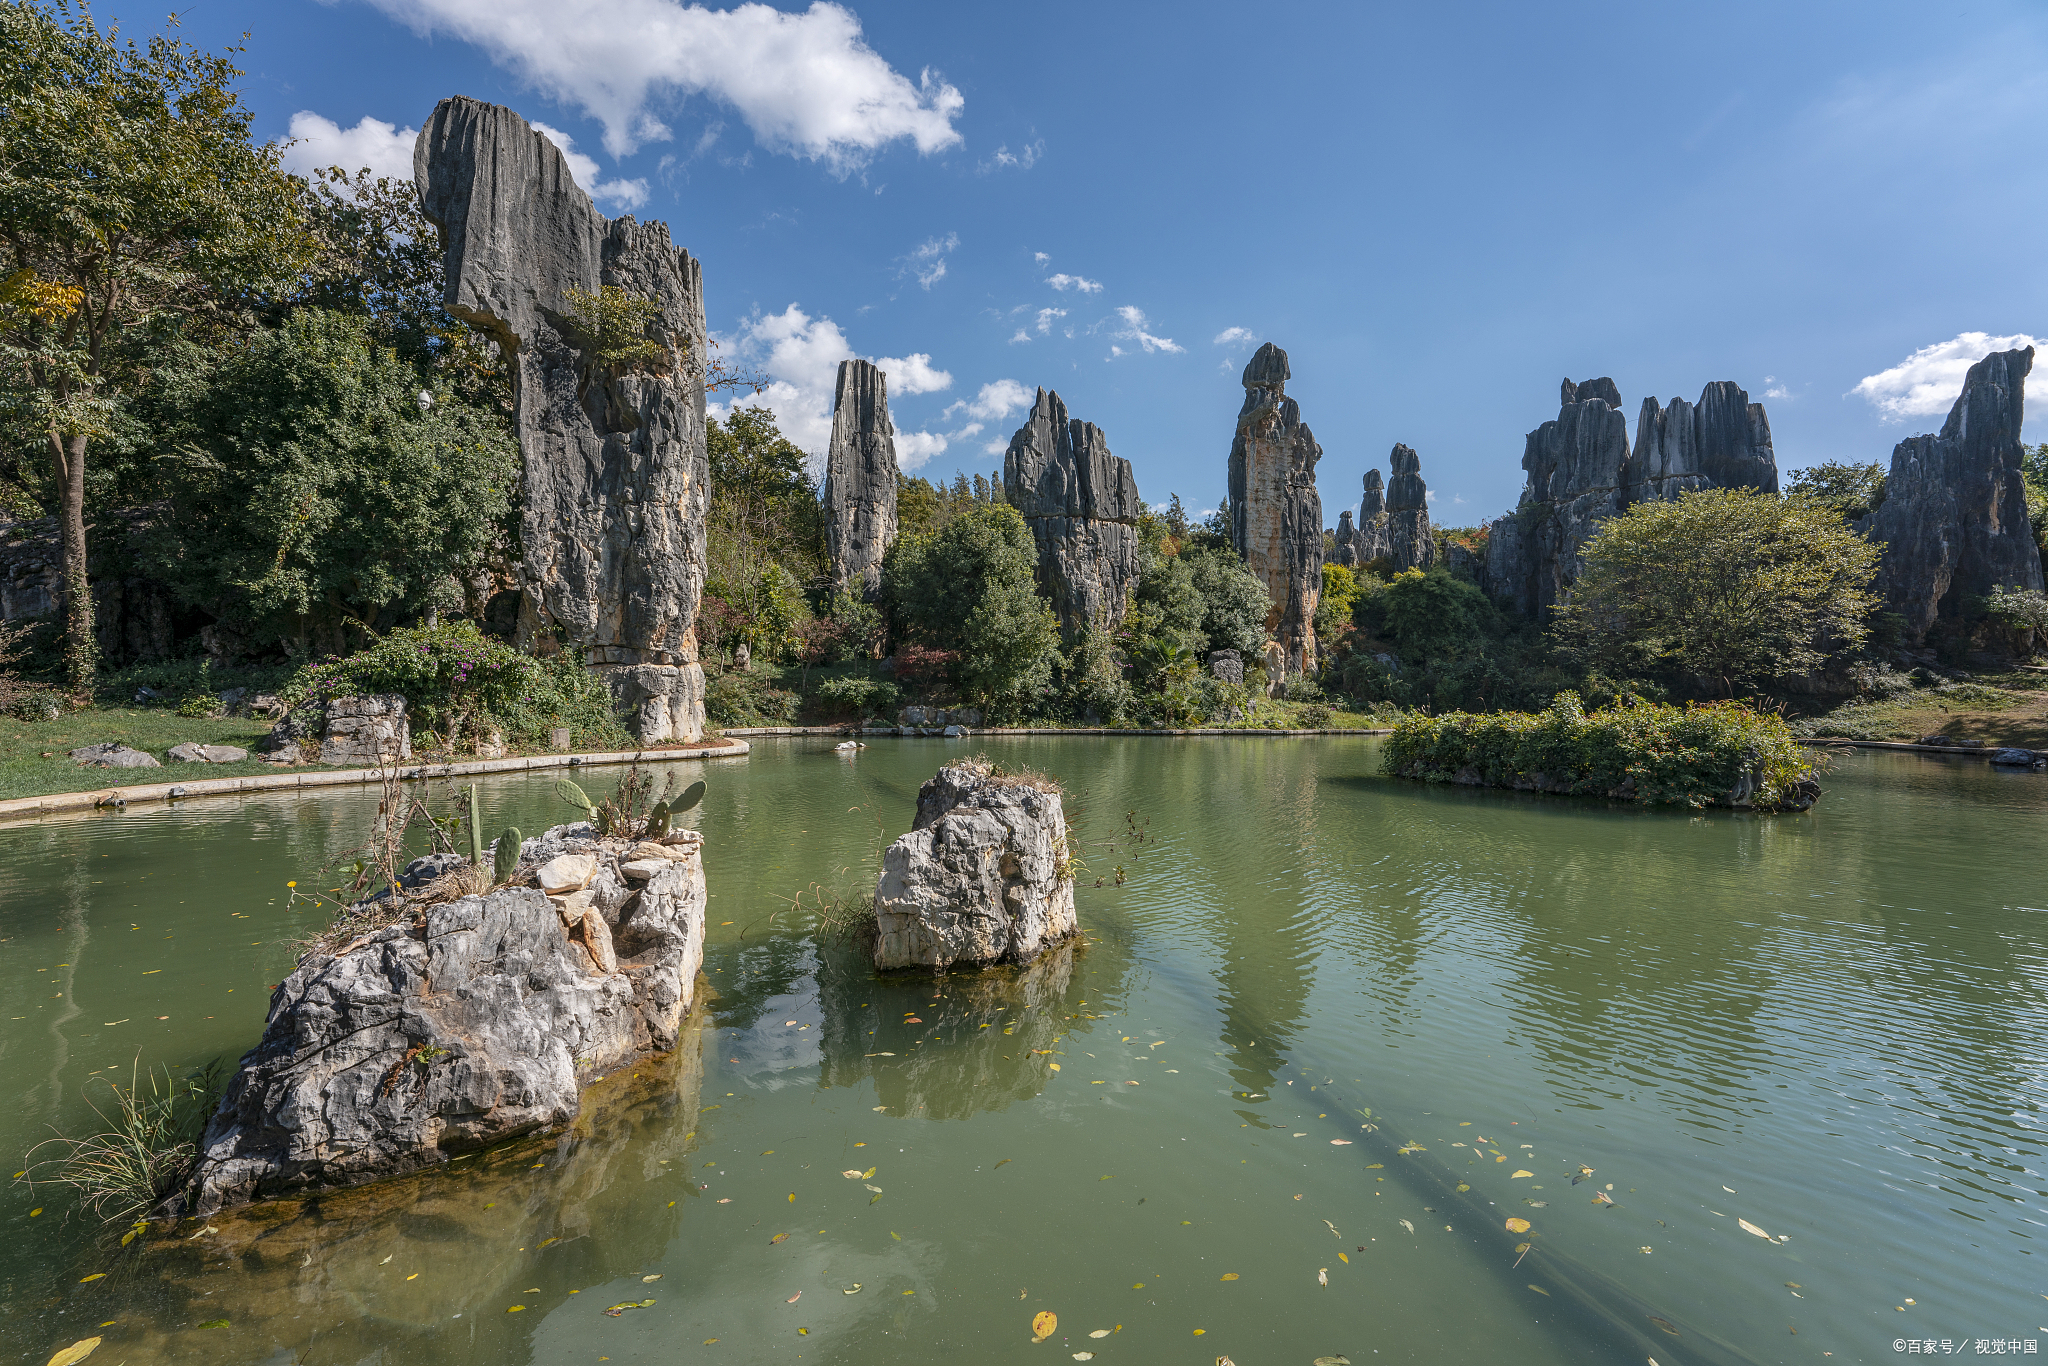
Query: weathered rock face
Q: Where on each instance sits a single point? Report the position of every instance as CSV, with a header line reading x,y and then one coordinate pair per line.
x,y
984,876
1276,516
1082,506
615,476
364,731
1369,542
113,754
477,1021
860,479
1954,518
1344,552
1409,542
1581,470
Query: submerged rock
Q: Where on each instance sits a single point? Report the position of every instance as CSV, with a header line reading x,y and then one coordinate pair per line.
x,y
1082,506
984,876
860,478
1276,515
476,1021
615,479
1954,518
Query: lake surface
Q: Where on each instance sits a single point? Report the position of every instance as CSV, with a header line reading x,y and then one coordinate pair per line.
x,y
1275,1107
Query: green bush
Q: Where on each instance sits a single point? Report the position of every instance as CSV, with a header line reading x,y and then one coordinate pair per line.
x,y
456,676
1432,612
857,694
2020,615
733,698
1654,753
971,586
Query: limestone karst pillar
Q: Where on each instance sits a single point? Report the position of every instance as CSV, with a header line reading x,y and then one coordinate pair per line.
x,y
1276,516
1082,506
860,479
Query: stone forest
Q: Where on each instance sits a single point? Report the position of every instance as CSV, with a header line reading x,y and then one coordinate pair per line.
x,y
714,899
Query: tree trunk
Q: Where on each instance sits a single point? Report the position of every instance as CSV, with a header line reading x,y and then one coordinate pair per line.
x,y
81,650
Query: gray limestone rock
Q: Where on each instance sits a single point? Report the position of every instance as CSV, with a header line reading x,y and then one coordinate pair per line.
x,y
1369,541
476,1023
614,473
1409,542
1276,516
1344,551
190,753
365,731
1581,470
1227,666
984,876
1954,518
113,755
1082,506
860,478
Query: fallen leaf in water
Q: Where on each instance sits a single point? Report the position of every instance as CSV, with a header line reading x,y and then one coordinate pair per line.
x,y
794,1298
623,1305
1055,1066
1602,1198
1225,1361
1228,1276
1340,1143
876,1189
869,1174
655,1277
415,1276
1537,1204
853,1289
1099,1333
1043,1324
777,1238
1794,1285
852,1175
726,1201
1520,1173
1645,1251
1729,1189
1518,1225
76,1352
1323,1275
1374,1166
95,1276
1344,1258
876,1196
1412,1147
1084,1356
1540,1290
1748,1227
1333,1361
1665,1325
1463,1187
1410,1227
1584,1172
514,1309
1005,1160
214,1323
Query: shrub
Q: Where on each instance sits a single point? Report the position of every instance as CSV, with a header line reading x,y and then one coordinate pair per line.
x,y
732,698
859,694
1314,717
1654,753
971,586
1432,612
2020,615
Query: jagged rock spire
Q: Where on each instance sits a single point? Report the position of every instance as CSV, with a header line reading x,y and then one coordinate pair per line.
x,y
1082,506
860,479
1276,516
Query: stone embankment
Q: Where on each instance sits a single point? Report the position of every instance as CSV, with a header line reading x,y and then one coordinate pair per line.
x,y
474,1019
984,876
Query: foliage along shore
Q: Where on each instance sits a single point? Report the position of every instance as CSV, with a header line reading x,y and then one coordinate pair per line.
x,y
1704,754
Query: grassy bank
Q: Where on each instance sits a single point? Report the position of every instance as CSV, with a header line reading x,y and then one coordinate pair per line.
x,y
35,756
2010,709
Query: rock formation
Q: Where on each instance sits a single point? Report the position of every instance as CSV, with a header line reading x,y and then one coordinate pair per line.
x,y
1954,518
1581,470
1344,551
615,477
475,1021
362,731
984,876
1082,506
860,479
1369,542
1276,517
1409,542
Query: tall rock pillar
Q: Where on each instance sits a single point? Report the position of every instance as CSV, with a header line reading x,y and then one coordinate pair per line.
x,y
1276,516
1082,506
1409,542
860,479
615,476
1369,542
1954,517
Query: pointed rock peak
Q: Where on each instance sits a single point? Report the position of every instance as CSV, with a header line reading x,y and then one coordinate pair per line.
x,y
1372,481
1603,389
863,387
1268,367
1404,461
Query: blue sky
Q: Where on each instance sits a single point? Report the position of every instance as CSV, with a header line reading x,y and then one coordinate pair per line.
x,y
1439,211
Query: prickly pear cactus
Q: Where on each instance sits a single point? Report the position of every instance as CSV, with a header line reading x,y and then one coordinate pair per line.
x,y
507,857
657,821
573,795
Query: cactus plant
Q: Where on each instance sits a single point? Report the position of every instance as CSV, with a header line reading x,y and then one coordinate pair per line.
x,y
657,821
573,795
476,829
507,856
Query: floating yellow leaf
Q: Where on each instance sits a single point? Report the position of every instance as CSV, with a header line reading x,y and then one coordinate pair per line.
x,y
777,1238
1043,1324
1084,1356
1540,1290
95,1276
1518,1225
1055,1066
516,1309
1463,1187
1228,1276
76,1352
655,1277
1748,1227
1333,1361
1345,1258
792,1197
1521,1172
415,1276
1099,1333
869,1174
1374,1166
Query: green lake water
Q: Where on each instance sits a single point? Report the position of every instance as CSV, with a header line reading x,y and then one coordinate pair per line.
x,y
1319,1021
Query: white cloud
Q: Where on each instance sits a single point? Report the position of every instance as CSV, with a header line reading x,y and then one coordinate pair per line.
x,y
806,84
1065,282
913,374
621,194
1024,158
1040,257
1773,389
800,355
927,261
1022,336
1134,330
1231,336
318,143
994,403
1927,382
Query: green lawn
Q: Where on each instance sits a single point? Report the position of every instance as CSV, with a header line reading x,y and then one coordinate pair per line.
x,y
25,772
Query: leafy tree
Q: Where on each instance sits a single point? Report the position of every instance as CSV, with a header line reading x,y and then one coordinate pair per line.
x,y
1728,584
1341,592
615,324
1235,603
1433,612
923,507
130,184
318,489
1853,491
764,534
971,587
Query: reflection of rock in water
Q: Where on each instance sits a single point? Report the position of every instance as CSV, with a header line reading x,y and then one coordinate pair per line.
x,y
948,1066
322,1278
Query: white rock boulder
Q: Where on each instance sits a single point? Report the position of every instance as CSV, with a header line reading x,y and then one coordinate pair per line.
x,y
984,876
